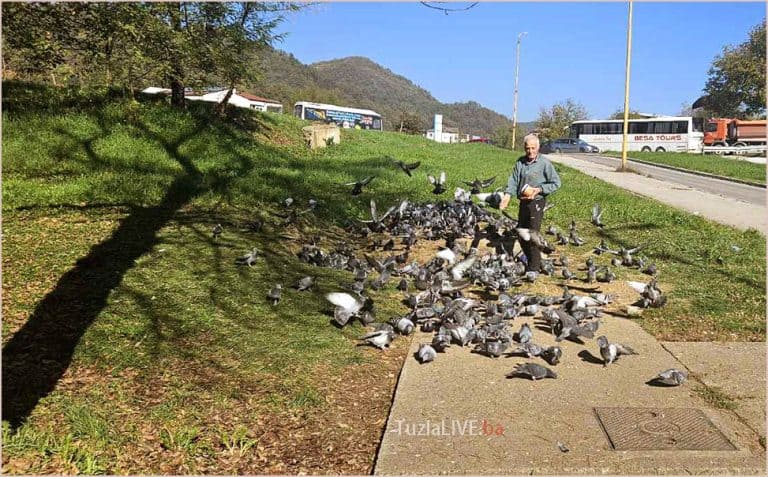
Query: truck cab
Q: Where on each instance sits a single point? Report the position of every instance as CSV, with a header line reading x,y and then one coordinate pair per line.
x,y
716,132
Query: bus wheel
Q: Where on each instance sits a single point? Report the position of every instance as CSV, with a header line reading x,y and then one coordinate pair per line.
x,y
557,151
660,149
645,149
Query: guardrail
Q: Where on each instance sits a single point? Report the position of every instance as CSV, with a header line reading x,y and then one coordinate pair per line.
x,y
739,150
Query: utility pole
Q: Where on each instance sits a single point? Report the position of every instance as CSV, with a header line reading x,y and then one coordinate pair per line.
x,y
626,92
517,74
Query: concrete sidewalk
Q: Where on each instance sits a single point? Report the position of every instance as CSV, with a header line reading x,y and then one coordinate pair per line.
x,y
714,207
458,392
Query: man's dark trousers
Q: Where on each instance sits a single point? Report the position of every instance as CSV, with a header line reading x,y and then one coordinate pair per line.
x,y
529,216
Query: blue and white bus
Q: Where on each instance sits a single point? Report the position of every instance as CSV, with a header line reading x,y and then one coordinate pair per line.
x,y
344,117
660,134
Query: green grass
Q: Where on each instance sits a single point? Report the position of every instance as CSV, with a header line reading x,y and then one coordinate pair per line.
x,y
710,163
716,397
107,219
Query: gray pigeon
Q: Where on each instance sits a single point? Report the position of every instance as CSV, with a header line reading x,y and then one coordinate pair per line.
x,y
249,258
440,342
533,371
493,349
530,349
525,334
380,339
407,168
439,183
357,186
597,213
348,306
611,351
426,353
305,283
216,231
672,377
402,325
275,294
552,354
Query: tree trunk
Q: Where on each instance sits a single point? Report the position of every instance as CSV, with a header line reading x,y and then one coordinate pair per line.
x,y
222,106
177,92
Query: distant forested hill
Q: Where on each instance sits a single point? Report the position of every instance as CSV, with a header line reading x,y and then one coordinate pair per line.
x,y
359,82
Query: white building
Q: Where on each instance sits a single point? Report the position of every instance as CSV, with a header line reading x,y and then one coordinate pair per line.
x,y
241,100
449,135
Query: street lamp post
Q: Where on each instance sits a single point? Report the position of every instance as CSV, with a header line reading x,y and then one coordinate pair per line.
x,y
626,92
517,73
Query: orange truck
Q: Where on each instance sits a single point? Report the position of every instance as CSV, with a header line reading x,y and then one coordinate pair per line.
x,y
735,132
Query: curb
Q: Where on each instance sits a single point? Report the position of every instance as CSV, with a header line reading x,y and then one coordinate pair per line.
x,y
689,171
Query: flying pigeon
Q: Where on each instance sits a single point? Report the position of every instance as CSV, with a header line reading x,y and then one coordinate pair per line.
x,y
477,185
275,294
348,306
407,168
491,199
357,186
611,351
533,236
461,195
672,377
651,295
438,183
376,224
533,371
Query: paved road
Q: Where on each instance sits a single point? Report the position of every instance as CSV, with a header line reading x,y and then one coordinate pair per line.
x,y
732,190
728,203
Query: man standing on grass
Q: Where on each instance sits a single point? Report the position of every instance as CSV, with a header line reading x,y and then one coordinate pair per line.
x,y
532,180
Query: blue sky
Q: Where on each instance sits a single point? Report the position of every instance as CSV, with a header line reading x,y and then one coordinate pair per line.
x,y
572,50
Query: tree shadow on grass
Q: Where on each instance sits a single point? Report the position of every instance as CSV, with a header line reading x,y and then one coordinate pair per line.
x,y
36,357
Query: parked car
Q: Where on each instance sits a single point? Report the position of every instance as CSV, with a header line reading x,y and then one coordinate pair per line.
x,y
568,145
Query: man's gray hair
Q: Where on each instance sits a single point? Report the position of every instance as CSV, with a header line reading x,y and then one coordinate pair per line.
x,y
531,138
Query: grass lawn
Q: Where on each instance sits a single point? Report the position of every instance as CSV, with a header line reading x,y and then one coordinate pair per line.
x,y
725,166
133,344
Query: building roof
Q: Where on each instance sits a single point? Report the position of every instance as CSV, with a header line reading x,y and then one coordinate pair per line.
x,y
446,129
253,97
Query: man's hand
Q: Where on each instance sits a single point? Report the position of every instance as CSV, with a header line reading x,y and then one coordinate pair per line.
x,y
530,193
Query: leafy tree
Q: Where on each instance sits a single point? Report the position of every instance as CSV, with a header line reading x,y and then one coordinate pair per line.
x,y
736,83
619,114
177,43
410,123
554,122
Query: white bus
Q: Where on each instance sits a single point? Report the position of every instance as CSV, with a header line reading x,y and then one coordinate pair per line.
x,y
667,133
343,116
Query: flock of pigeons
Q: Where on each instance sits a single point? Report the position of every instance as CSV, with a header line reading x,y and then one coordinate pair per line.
x,y
435,291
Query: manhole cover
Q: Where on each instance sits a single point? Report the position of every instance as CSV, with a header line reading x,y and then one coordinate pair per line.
x,y
632,428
